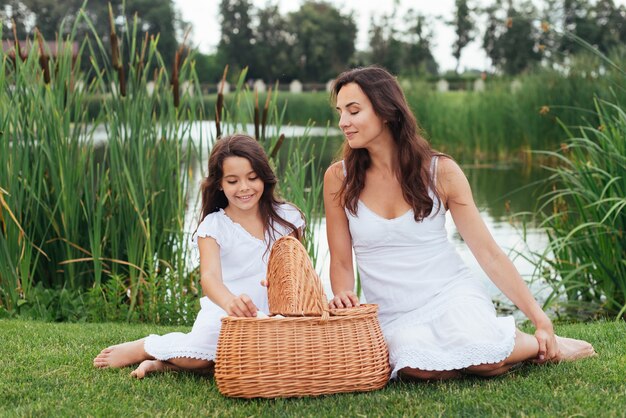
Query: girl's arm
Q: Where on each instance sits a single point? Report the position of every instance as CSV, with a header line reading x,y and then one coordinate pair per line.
x,y
213,286
457,195
339,242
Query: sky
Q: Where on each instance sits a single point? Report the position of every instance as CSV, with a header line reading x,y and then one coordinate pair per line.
x,y
203,15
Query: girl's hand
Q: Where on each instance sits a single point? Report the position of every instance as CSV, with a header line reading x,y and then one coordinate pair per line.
x,y
241,306
548,347
344,299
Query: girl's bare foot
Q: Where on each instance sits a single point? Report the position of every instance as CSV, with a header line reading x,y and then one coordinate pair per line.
x,y
151,366
571,349
121,355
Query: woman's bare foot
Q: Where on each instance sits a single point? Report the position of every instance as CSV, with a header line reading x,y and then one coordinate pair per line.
x,y
150,366
571,349
121,355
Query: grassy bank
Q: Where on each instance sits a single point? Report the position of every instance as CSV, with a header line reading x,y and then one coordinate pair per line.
x,y
45,369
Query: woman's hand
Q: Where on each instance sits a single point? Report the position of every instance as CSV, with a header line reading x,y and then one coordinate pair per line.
x,y
344,299
241,306
548,347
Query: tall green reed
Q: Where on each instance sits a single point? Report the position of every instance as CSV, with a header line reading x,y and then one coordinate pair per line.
x,y
504,122
93,206
586,217
103,221
584,213
40,152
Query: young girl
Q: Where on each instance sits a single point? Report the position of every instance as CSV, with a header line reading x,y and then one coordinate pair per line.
x,y
241,219
387,201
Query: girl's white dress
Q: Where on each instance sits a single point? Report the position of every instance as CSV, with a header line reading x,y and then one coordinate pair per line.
x,y
244,264
433,313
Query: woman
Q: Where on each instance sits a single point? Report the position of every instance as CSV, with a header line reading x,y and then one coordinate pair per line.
x,y
387,201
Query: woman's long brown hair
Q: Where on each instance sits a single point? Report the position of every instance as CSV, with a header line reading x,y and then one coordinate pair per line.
x,y
214,199
414,153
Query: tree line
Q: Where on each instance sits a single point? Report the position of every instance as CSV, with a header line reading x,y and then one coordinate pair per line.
x,y
317,41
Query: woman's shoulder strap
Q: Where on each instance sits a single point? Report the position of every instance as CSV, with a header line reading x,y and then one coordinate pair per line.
x,y
433,168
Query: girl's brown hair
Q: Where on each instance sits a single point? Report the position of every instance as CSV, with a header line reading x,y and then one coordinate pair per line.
x,y
413,151
214,199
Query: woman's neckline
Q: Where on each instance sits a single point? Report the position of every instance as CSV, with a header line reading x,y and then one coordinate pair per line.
x,y
382,217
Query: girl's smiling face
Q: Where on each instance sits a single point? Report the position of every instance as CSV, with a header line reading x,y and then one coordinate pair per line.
x,y
241,185
357,119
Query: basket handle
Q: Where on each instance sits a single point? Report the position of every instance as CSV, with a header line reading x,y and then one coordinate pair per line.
x,y
294,289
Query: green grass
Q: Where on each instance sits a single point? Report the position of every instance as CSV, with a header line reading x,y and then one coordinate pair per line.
x,y
45,369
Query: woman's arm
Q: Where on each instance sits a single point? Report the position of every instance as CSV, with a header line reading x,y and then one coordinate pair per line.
x,y
213,286
339,242
457,195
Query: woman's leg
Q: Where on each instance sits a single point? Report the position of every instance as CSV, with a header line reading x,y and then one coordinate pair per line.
x,y
122,355
571,349
409,373
526,348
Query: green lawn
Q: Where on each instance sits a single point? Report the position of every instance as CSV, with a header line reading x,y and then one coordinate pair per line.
x,y
45,370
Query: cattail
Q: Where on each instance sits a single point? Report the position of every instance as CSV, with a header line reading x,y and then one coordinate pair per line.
x,y
279,143
115,54
219,105
122,78
175,81
256,114
17,51
44,59
265,111
142,56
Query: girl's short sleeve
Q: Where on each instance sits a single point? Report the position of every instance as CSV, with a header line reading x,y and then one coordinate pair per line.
x,y
292,214
209,227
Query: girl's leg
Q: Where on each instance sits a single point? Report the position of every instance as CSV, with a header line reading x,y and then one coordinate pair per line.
x,y
173,364
122,355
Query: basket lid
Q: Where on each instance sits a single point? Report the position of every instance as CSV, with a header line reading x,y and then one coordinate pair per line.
x,y
294,289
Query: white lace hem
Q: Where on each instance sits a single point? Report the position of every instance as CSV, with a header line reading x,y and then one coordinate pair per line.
x,y
183,354
469,355
166,353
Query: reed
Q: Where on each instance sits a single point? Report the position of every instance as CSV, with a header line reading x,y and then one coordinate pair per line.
x,y
505,122
94,205
584,210
586,217
102,221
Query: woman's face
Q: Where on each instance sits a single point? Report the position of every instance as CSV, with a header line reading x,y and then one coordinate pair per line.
x,y
357,119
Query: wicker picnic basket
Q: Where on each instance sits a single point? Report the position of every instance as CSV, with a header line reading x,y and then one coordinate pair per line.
x,y
312,350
